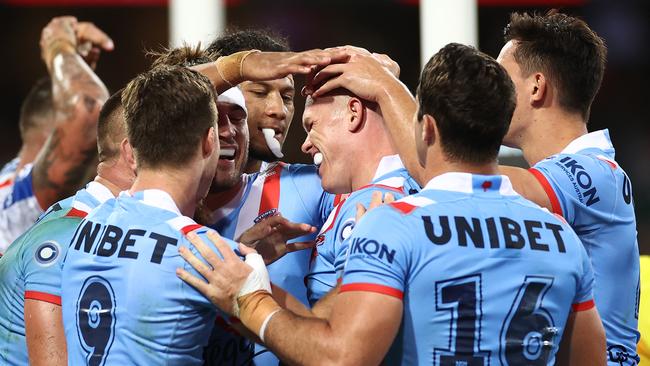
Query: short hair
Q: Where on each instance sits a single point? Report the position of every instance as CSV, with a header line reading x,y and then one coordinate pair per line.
x,y
185,55
110,127
566,50
472,99
250,39
168,110
37,108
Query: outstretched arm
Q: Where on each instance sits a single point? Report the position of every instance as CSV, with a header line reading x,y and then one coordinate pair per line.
x,y
78,95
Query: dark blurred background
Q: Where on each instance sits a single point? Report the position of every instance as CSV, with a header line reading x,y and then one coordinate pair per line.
x,y
385,26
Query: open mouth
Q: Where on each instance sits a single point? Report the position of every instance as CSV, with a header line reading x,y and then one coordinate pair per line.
x,y
227,153
318,158
272,142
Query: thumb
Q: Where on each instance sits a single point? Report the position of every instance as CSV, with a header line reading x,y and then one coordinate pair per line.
x,y
245,251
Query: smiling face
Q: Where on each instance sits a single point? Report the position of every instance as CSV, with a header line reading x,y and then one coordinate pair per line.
x,y
233,141
270,105
327,134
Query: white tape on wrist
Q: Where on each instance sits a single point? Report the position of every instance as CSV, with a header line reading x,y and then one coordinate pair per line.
x,y
258,279
266,323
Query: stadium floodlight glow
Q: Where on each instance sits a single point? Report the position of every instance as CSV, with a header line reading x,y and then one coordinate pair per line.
x,y
193,21
445,21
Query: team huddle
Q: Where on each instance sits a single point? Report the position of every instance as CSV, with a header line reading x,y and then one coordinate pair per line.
x,y
405,243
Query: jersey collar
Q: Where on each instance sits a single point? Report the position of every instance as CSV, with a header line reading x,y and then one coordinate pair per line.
x,y
597,139
99,191
156,198
387,164
472,183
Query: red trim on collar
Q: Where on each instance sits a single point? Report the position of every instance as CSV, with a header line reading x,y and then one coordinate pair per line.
x,y
403,207
76,213
189,228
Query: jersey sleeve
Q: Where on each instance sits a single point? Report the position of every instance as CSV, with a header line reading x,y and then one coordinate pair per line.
x,y
572,182
316,202
191,293
378,256
19,210
347,227
584,299
43,256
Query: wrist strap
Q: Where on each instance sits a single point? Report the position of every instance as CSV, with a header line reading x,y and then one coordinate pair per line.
x,y
230,68
265,323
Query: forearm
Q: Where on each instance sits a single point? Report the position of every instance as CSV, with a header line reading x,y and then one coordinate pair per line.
x,y
226,72
301,340
74,82
398,109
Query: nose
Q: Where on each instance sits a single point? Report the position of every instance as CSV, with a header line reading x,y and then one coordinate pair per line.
x,y
226,129
275,107
307,146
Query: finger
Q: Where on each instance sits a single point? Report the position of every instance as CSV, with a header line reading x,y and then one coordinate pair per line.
x,y
295,247
328,86
293,229
211,257
389,198
360,211
375,200
244,250
87,31
327,73
192,280
224,249
195,262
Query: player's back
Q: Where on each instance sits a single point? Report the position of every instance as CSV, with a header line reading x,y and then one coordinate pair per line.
x,y
31,268
122,301
486,276
594,194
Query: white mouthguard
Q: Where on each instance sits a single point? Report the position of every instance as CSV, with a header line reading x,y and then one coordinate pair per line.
x,y
318,158
273,144
227,152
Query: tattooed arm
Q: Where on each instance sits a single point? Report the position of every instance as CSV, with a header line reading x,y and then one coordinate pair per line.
x,y
78,95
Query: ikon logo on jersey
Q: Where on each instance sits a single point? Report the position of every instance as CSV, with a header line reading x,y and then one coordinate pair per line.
x,y
372,248
47,253
582,181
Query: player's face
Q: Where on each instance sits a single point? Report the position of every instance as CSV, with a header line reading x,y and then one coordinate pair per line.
x,y
328,137
210,162
270,105
233,141
420,146
519,118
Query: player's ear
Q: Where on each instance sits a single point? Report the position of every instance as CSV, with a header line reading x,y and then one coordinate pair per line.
x,y
209,143
357,114
128,154
537,89
429,129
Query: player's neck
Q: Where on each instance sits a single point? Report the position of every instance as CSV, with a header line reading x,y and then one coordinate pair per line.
x,y
216,200
28,152
437,164
115,190
180,185
253,166
365,165
550,133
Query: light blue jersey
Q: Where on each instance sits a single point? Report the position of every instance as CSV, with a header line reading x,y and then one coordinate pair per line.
x,y
331,250
486,277
594,195
295,191
122,301
30,269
